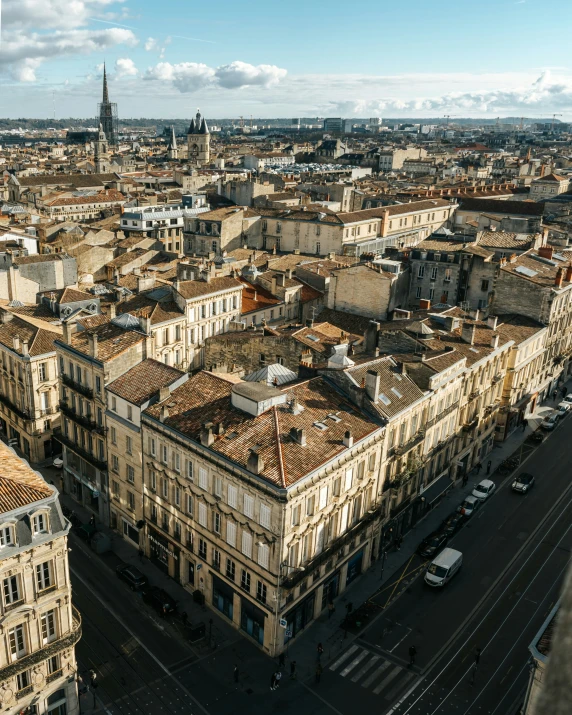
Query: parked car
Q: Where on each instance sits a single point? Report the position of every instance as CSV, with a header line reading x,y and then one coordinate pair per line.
x,y
484,489
563,409
160,600
432,544
58,462
132,577
550,421
568,398
452,524
469,506
523,482
84,531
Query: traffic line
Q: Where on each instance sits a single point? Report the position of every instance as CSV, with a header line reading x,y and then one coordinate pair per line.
x,y
343,657
366,683
356,661
400,686
387,679
362,671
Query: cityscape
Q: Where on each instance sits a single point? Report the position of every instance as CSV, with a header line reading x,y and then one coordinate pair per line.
x,y
285,376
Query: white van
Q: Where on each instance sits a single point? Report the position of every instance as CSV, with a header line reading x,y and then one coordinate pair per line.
x,y
444,567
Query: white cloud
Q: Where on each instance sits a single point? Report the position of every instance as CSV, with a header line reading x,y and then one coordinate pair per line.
x,y
192,76
151,44
125,67
60,14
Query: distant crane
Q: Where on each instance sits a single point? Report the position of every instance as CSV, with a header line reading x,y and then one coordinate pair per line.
x,y
241,122
553,118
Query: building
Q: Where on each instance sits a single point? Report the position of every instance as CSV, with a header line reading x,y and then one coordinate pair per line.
x,y
101,152
40,626
334,125
540,651
547,187
259,162
393,159
29,394
262,499
107,114
172,149
128,396
67,206
214,231
198,142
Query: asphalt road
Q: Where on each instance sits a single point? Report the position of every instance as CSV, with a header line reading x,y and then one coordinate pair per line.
x,y
515,549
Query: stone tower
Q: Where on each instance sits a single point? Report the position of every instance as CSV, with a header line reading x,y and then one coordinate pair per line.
x,y
101,153
108,113
198,142
172,150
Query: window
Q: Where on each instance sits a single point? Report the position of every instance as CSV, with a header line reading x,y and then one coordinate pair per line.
x,y
23,680
48,621
115,490
245,580
43,371
164,488
265,516
131,501
202,549
261,592
216,559
17,641
189,470
231,495
43,575
231,533
323,498
447,274
11,589
97,384
421,271
218,486
114,404
230,569
310,505
177,462
418,292
128,445
431,293
153,481
247,544
115,463
433,276
130,413
152,446
113,433
263,555
484,285
6,536
190,504
130,474
39,524
348,479
202,514
54,664
164,454
177,496
248,506
203,481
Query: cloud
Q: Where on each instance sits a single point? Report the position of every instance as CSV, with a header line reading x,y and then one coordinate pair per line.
x,y
58,14
125,67
151,44
192,76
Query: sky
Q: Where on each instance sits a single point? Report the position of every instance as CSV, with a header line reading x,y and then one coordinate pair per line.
x,y
309,58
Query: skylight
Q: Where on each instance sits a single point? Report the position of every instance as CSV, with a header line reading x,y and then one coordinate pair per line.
x,y
321,426
396,392
385,399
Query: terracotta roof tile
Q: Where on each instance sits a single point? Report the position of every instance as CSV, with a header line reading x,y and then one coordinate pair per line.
x,y
20,485
144,380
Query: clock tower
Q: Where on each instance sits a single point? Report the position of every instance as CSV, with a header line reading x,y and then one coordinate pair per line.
x,y
198,142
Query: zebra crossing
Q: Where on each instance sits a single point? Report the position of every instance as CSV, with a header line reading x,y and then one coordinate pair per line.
x,y
373,672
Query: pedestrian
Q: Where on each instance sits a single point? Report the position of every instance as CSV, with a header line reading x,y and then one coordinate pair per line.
x,y
281,659
278,678
273,681
479,467
92,520
331,609
554,394
398,542
523,425
93,678
293,670
318,672
236,673
320,650
412,654
489,465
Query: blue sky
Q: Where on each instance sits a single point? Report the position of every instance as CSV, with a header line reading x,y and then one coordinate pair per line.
x,y
312,58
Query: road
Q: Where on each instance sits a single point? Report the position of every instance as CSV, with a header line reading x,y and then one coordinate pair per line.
x,y
516,549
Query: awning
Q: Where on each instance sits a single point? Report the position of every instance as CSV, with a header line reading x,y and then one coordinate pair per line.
x,y
436,488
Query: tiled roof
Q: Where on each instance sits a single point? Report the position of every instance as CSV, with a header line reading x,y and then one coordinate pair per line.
x,y
83,180
504,239
517,327
103,197
323,336
144,380
40,341
112,340
551,178
256,298
126,258
142,306
537,271
20,485
206,397
198,289
505,208
68,295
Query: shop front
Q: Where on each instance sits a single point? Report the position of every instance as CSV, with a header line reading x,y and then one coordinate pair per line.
x,y
252,620
355,565
161,552
299,617
130,531
330,589
223,597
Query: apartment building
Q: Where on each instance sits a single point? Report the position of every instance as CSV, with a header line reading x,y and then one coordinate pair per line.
x,y
547,187
127,397
262,499
393,159
214,231
40,626
29,397
88,361
74,207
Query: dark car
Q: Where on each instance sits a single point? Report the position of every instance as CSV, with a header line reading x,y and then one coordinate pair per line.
x,y
452,524
84,531
523,482
160,601
432,544
132,577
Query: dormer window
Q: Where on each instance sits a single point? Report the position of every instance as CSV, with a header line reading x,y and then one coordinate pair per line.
x,y
39,524
6,536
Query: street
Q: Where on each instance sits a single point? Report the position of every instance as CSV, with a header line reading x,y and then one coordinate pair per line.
x,y
515,549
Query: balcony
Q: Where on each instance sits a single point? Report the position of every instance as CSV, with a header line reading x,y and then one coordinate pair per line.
x,y
28,661
24,414
470,426
83,453
83,420
82,389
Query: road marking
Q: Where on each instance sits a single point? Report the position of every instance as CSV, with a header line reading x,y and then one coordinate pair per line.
x,y
388,679
356,661
401,641
366,667
506,676
343,657
396,688
142,645
399,580
366,683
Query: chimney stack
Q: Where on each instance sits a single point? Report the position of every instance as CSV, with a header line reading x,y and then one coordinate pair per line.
x,y
492,321
372,383
348,439
112,311
68,330
92,341
559,279
207,436
495,341
568,276
546,252
164,394
16,343
424,304
371,336
468,333
25,345
255,463
298,435
164,413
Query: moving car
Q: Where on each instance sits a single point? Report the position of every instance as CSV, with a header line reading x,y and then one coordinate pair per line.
x,y
432,544
469,506
132,577
160,600
452,524
550,421
484,489
444,567
523,482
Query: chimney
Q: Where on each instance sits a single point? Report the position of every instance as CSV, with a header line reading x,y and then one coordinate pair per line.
x,y
68,330
468,333
145,324
281,280
348,439
309,322
25,350
112,311
274,284
495,341
546,252
207,436
164,394
558,280
568,276
289,273
16,343
164,413
92,341
424,304
372,385
371,336
492,321
255,463
298,435
6,316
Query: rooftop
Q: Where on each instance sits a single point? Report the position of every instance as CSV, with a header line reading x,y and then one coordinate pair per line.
x,y
144,380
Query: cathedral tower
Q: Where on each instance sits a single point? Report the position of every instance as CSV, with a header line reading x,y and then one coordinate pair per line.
x,y
198,142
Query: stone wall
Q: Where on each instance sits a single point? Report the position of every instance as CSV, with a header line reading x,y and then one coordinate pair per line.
x,y
245,349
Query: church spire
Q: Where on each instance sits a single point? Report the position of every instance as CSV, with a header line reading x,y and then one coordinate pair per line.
x,y
105,90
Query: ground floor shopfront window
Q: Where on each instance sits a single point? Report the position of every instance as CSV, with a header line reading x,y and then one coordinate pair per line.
x,y
130,532
300,616
330,590
252,620
57,703
223,597
355,565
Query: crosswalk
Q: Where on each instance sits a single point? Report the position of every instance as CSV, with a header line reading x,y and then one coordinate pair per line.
x,y
373,672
